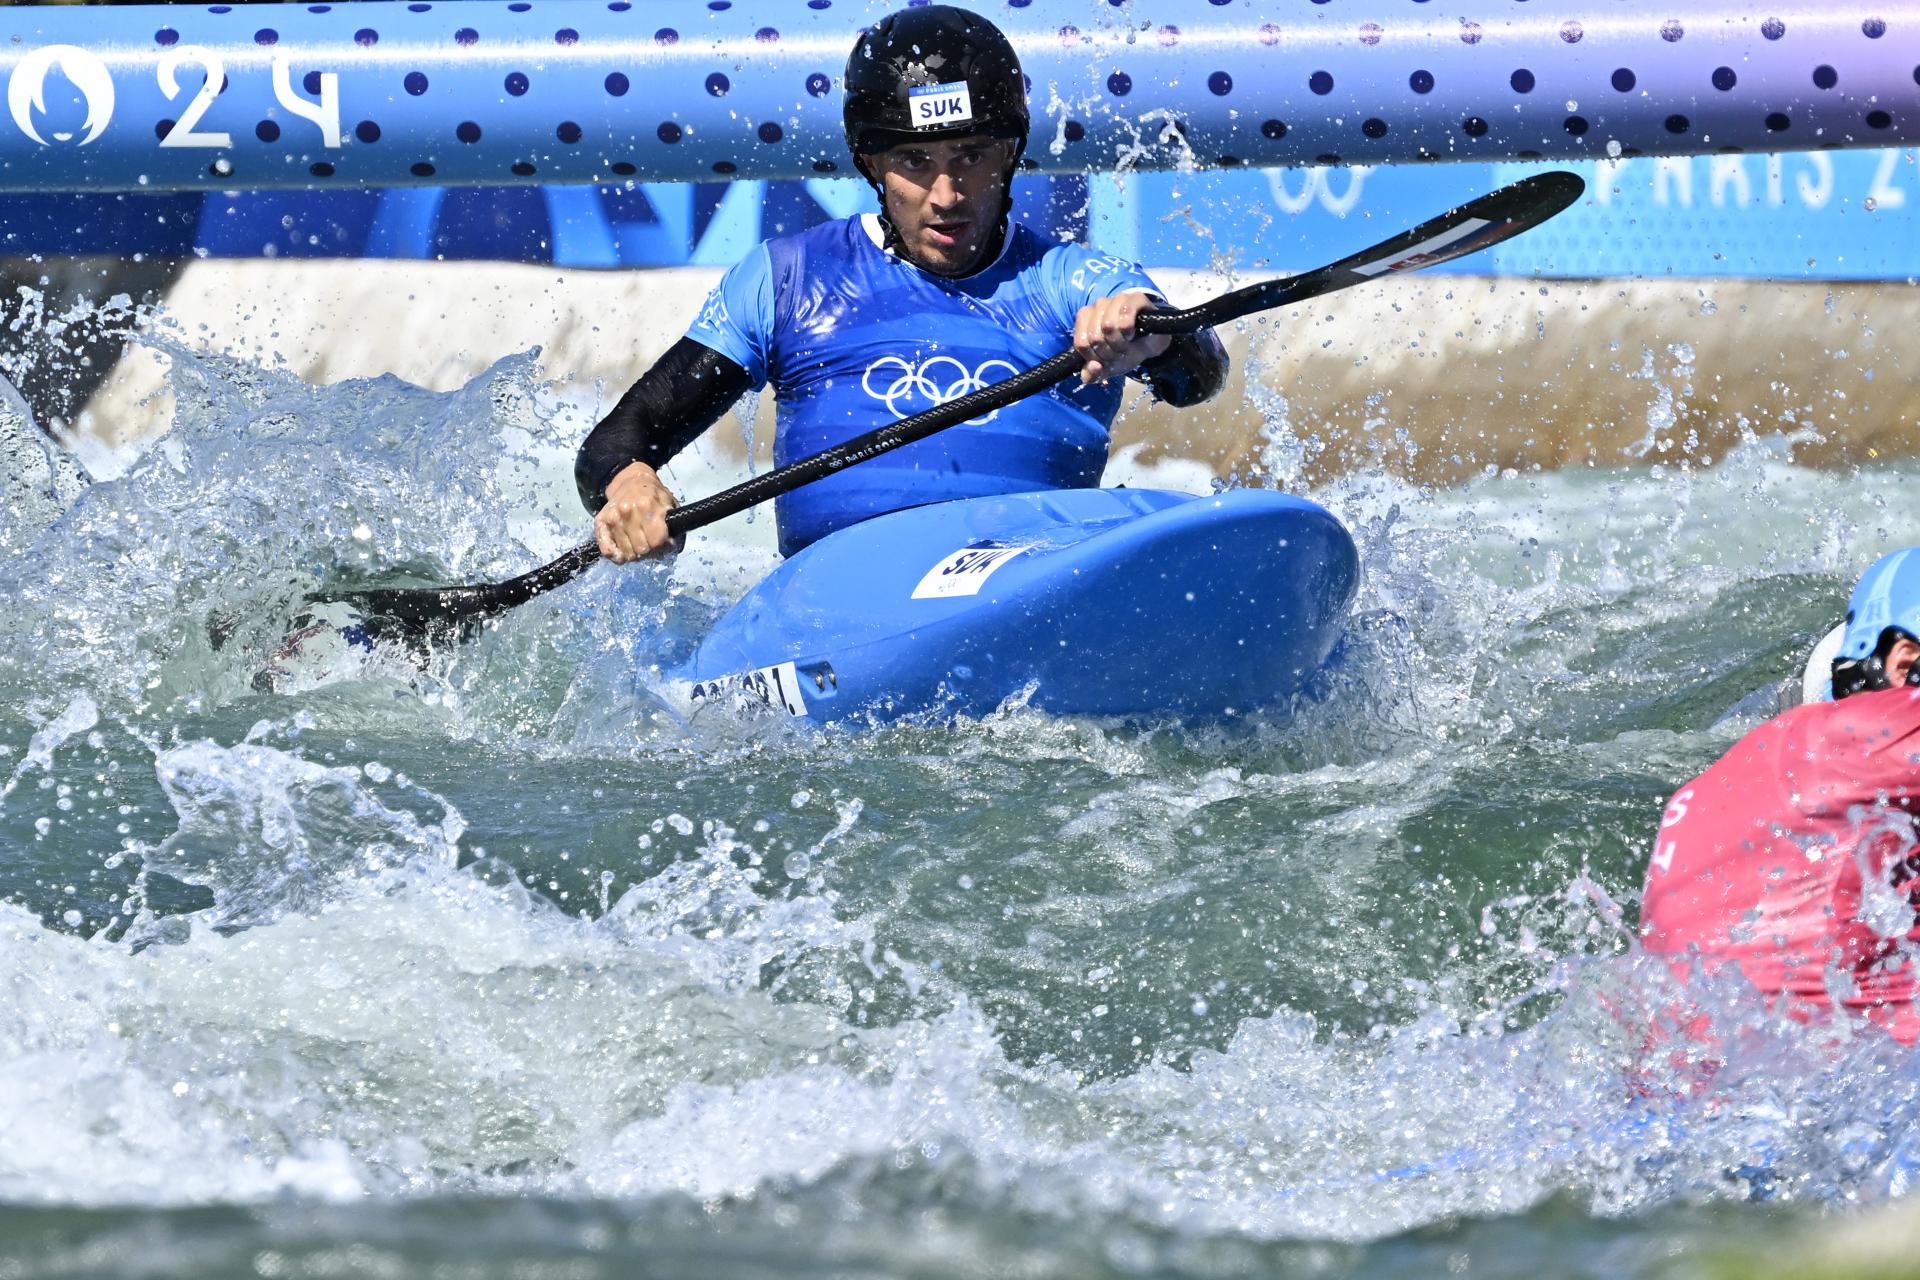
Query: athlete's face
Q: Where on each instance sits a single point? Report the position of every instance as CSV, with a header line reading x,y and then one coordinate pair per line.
x,y
944,199
1900,660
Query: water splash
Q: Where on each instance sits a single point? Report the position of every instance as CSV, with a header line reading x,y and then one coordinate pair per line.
x,y
1662,416
508,927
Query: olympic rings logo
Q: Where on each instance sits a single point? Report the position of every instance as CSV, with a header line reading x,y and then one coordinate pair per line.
x,y
906,387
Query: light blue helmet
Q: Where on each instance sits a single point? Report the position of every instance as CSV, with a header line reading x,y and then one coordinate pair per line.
x,y
1886,600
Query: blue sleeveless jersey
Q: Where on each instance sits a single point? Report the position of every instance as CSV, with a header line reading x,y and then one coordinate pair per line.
x,y
851,338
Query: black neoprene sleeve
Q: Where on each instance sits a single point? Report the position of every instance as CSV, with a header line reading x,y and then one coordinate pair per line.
x,y
683,394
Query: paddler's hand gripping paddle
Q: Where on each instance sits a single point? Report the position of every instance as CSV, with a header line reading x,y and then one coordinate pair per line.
x,y
417,614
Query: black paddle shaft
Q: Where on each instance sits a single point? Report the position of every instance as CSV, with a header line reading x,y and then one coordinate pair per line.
x,y
412,613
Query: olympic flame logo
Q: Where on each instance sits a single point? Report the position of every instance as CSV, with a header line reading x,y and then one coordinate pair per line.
x,y
27,90
907,387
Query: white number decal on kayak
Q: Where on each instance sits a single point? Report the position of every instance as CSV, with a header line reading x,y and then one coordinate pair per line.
x,y
776,687
963,572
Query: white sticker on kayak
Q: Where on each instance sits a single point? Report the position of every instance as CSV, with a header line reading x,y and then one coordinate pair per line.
x,y
964,572
1421,254
776,687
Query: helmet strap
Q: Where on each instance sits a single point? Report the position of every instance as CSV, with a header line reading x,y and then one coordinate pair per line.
x,y
1006,197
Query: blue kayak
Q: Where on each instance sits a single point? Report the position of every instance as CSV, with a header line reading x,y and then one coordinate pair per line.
x,y
1105,602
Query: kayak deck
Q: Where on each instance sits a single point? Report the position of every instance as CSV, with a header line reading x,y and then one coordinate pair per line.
x,y
1107,602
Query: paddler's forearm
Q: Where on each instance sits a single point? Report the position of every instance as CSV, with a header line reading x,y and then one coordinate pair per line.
x,y
683,394
1193,368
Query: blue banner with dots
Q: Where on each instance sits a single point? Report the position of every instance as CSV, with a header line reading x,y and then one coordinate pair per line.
x,y
1720,140
1799,215
368,95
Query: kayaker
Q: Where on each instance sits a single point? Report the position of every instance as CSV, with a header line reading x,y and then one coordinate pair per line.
x,y
1795,855
870,319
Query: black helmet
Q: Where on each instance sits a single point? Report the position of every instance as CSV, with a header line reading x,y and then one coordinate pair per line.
x,y
933,72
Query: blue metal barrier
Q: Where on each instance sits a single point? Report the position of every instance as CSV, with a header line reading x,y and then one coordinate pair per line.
x,y
486,92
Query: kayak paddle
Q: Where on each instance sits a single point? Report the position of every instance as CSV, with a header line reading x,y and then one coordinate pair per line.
x,y
416,614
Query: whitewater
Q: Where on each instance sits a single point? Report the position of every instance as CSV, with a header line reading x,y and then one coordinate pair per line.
x,y
509,967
